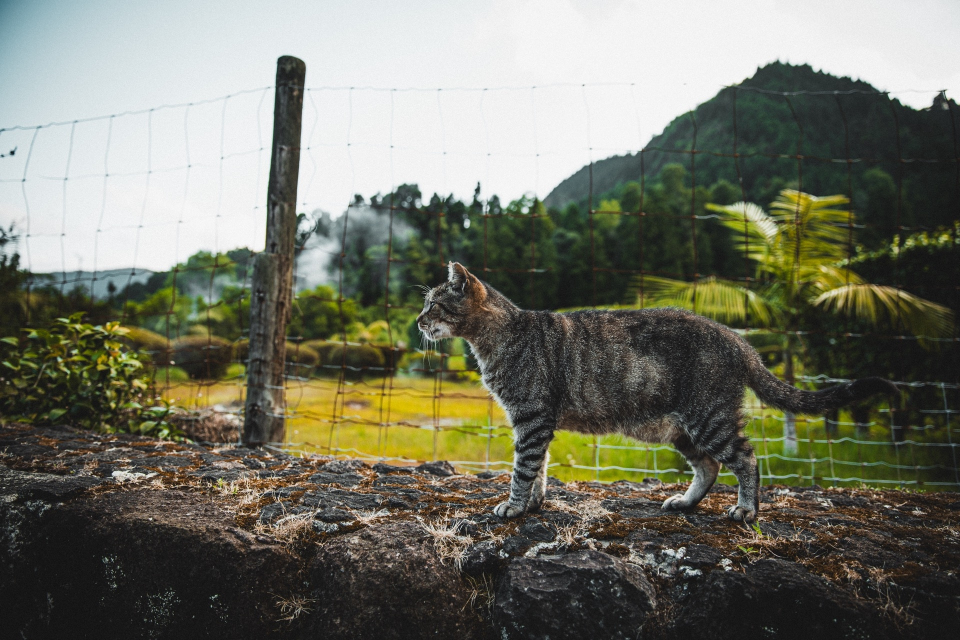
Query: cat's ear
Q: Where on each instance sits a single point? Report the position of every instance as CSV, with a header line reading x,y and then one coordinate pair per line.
x,y
464,281
457,275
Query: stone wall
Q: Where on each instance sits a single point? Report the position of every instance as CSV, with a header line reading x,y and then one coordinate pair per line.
x,y
124,537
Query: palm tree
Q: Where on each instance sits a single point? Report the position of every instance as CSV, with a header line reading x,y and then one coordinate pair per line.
x,y
799,250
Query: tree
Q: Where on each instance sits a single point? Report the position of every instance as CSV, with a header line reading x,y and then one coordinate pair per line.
x,y
798,250
13,305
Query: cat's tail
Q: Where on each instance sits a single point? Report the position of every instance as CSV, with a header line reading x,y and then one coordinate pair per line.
x,y
785,397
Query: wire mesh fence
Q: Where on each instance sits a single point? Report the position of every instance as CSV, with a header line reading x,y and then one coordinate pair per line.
x,y
184,184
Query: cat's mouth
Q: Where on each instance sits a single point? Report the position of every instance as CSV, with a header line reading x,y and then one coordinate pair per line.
x,y
433,332
427,331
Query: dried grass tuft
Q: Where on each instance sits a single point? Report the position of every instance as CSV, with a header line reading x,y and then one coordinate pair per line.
x,y
482,594
447,541
294,606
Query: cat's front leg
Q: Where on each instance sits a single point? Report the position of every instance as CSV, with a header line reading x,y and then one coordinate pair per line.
x,y
528,484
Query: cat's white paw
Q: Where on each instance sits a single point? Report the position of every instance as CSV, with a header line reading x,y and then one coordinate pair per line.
x,y
507,510
676,503
742,514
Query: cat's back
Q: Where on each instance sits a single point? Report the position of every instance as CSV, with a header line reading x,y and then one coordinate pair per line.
x,y
655,328
604,352
615,361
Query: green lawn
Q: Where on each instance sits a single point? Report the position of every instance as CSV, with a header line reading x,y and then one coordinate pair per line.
x,y
416,419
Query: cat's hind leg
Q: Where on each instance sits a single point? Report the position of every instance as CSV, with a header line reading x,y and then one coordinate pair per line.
x,y
539,492
737,455
528,483
743,463
720,439
705,471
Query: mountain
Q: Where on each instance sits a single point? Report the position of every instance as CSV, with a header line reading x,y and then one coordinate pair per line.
x,y
99,281
785,111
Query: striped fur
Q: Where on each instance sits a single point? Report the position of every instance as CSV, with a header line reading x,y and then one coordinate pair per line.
x,y
657,375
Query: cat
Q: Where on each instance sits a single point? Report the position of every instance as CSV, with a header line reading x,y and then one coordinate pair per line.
x,y
657,375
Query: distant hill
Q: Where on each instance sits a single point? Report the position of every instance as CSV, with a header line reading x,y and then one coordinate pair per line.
x,y
100,285
809,121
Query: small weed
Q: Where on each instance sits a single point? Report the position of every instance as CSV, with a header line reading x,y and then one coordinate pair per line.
x,y
482,592
294,606
900,615
568,533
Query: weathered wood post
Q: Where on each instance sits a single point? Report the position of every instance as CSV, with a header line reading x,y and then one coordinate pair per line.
x,y
272,284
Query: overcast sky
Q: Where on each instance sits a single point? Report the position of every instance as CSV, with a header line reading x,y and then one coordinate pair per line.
x,y
152,188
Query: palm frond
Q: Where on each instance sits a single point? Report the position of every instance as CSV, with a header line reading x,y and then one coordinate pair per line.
x,y
758,222
722,300
875,303
812,229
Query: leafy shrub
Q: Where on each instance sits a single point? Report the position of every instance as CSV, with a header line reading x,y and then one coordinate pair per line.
x,y
203,357
81,374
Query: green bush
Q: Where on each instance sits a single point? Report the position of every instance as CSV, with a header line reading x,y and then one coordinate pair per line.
x,y
323,349
172,375
203,357
241,351
423,363
80,374
236,371
300,358
152,347
391,357
359,359
330,354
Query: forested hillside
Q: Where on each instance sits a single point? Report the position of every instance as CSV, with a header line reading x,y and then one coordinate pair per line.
x,y
902,162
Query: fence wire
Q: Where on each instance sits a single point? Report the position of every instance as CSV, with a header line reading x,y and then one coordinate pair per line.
x,y
105,190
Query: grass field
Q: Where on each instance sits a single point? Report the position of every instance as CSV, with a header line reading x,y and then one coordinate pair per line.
x,y
417,419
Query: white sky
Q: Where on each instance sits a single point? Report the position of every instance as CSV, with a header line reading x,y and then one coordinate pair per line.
x,y
644,63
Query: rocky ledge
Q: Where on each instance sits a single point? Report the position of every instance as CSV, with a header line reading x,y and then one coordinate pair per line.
x,y
113,536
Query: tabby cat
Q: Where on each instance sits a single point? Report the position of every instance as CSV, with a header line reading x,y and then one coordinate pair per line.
x,y
657,375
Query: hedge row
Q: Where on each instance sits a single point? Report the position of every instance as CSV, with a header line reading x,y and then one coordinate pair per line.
x,y
208,357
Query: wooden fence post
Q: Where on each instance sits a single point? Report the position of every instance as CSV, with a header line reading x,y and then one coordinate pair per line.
x,y
272,284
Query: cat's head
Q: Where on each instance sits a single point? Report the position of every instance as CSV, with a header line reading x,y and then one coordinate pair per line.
x,y
449,307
